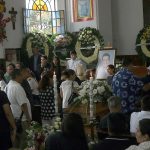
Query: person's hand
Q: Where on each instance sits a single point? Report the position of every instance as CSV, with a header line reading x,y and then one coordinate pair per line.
x,y
13,135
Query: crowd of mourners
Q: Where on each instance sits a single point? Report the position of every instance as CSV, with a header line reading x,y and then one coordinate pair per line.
x,y
27,92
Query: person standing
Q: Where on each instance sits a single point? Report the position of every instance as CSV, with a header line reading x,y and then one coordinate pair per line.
x,y
7,123
127,86
111,72
19,103
34,61
9,69
44,65
46,96
2,81
74,61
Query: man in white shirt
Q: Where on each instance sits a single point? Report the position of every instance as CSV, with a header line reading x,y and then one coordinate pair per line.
x,y
137,116
74,62
19,102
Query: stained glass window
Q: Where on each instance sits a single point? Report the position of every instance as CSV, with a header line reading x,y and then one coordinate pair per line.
x,y
43,15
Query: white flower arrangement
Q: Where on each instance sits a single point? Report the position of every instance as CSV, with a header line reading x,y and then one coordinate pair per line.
x,y
101,91
62,40
37,134
88,35
39,40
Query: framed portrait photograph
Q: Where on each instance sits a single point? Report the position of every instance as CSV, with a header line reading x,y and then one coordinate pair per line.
x,y
105,58
12,55
82,10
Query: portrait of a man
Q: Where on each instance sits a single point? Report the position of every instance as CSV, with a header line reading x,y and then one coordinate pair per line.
x,y
105,58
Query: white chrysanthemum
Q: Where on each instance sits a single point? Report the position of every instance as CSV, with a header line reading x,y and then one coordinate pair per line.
x,y
95,91
95,82
84,101
58,119
101,89
82,92
56,127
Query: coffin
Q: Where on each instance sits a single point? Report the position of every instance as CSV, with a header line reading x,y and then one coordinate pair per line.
x,y
100,109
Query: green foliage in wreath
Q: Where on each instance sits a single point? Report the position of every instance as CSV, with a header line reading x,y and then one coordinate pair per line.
x,y
63,44
35,40
87,36
143,34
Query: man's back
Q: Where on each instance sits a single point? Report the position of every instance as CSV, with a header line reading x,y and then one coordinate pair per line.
x,y
127,86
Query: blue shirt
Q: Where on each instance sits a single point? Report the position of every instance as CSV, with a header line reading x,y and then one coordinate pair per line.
x,y
127,86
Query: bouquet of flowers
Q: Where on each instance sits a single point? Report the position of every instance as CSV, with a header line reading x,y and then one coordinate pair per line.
x,y
101,91
37,134
62,40
3,23
87,36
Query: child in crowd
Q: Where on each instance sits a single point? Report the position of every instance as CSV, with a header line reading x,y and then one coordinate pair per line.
x,y
68,86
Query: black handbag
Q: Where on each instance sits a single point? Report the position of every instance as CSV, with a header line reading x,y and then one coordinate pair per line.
x,y
72,96
18,121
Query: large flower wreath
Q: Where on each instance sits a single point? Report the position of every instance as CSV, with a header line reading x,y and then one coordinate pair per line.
x,y
63,44
40,40
143,43
89,38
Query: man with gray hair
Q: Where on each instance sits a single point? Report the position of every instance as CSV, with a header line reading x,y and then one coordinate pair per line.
x,y
114,105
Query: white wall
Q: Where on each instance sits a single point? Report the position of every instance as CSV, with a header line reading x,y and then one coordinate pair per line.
x,y
127,20
104,19
14,37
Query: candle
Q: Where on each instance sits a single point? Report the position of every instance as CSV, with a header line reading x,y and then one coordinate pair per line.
x,y
91,98
55,93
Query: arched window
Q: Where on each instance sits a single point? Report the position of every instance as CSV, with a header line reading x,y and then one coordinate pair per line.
x,y
43,15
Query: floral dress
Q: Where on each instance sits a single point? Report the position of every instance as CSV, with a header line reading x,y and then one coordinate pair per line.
x,y
47,103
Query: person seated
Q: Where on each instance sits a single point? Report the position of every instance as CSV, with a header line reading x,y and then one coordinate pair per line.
x,y
111,72
142,136
117,139
137,116
114,105
72,136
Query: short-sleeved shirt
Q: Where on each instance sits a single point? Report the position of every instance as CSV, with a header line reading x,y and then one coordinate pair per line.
x,y
66,87
17,97
73,64
136,117
127,86
4,125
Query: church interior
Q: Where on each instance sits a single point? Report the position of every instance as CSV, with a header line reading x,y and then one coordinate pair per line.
x,y
75,75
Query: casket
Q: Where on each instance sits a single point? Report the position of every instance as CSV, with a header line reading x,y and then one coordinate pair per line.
x,y
100,109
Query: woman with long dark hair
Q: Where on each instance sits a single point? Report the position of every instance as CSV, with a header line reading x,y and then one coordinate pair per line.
x,y
72,136
46,96
56,67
